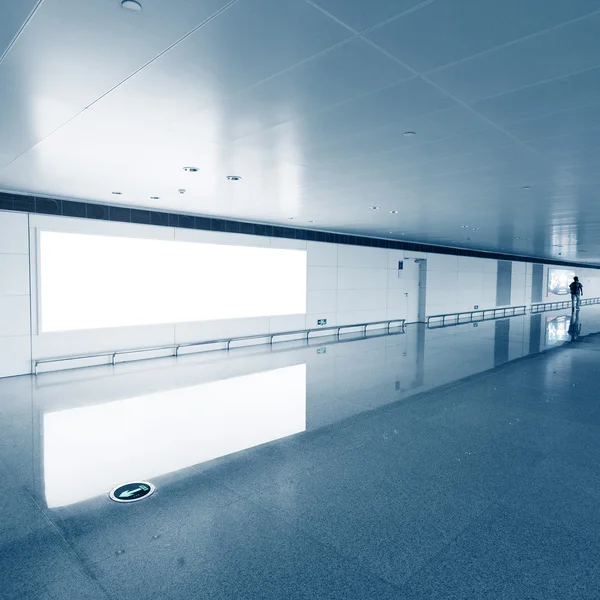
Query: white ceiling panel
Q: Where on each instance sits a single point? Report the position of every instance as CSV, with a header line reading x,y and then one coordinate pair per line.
x,y
556,124
71,53
451,112
550,55
446,31
563,94
345,72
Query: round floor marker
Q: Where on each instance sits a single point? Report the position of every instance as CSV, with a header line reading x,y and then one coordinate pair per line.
x,y
132,492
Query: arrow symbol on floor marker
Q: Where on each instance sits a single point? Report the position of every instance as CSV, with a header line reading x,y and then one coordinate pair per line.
x,y
129,493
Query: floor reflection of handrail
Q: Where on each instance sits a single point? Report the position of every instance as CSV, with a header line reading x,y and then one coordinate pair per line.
x,y
305,334
544,306
484,314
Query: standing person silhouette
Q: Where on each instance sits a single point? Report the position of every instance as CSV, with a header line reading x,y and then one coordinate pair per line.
x,y
576,293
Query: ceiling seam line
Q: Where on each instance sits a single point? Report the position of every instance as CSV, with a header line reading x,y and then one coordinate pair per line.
x,y
20,32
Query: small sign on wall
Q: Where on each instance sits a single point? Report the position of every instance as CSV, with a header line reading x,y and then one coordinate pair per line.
x,y
476,307
400,269
322,322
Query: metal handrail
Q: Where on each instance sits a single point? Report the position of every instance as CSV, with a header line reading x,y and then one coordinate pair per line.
x,y
227,341
509,311
544,306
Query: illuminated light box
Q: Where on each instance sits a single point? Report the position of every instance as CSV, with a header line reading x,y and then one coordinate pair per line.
x,y
94,281
558,282
88,451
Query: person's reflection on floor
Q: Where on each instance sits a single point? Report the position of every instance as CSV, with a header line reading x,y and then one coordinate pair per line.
x,y
574,326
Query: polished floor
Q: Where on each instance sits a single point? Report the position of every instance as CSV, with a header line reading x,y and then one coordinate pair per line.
x,y
454,463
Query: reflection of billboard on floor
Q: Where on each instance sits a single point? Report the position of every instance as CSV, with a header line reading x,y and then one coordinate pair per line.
x,y
558,281
91,449
557,329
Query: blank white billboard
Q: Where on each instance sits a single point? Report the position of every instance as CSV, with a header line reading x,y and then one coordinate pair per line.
x,y
88,451
94,281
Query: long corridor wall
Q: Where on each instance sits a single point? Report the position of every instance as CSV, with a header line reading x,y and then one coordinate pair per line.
x,y
346,284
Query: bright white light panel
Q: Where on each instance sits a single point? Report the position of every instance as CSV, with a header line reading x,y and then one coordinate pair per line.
x,y
90,450
94,281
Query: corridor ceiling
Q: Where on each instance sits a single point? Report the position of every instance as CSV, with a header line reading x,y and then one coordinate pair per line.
x,y
466,123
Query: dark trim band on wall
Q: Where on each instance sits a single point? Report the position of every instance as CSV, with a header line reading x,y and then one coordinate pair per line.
x,y
105,212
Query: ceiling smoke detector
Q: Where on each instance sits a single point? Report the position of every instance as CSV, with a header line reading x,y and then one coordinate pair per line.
x,y
131,6
233,177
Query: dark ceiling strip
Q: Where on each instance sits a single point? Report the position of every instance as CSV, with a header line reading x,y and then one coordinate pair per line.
x,y
71,208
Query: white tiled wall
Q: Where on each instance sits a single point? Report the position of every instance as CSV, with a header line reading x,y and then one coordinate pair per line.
x,y
459,283
15,340
345,285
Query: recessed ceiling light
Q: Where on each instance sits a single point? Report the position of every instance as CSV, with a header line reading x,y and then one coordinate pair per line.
x,y
475,228
465,226
117,193
233,177
374,207
191,169
393,212
131,6
409,133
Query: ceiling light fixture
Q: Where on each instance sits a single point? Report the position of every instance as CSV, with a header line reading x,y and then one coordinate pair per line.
x,y
393,212
233,177
181,191
117,193
465,226
409,133
131,6
374,207
191,169
526,187
154,198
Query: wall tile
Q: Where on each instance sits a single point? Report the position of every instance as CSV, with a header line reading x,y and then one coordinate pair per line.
x,y
14,275
15,356
321,301
14,233
322,278
361,279
14,316
322,254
